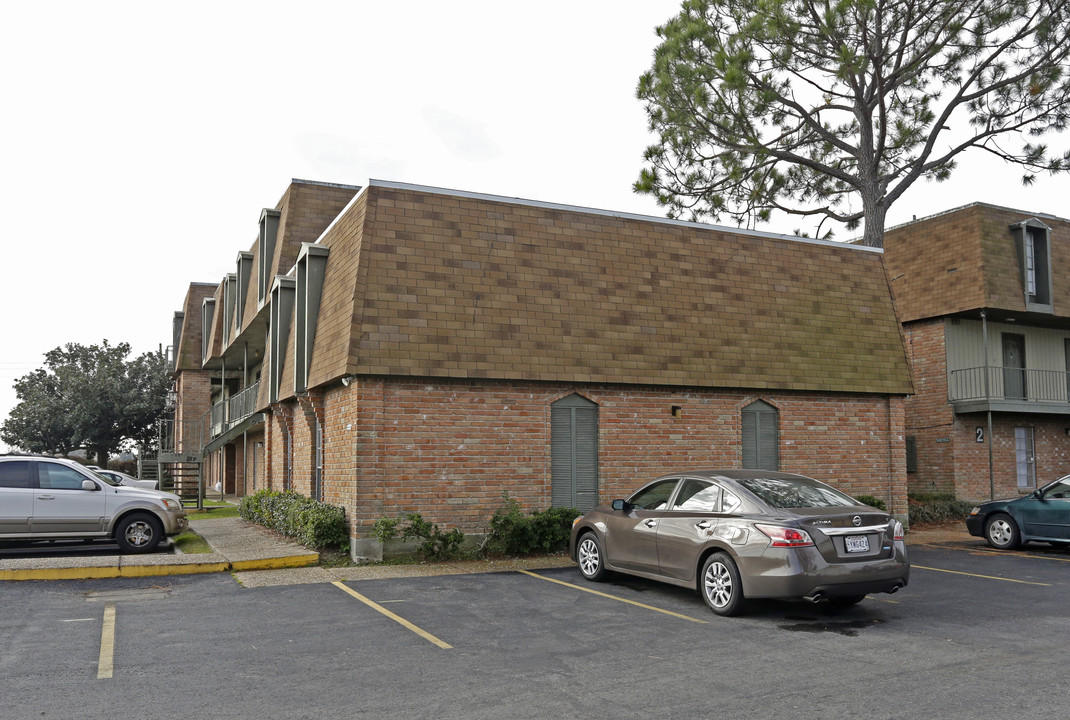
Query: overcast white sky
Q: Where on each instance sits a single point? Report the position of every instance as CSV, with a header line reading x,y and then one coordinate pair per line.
x,y
139,140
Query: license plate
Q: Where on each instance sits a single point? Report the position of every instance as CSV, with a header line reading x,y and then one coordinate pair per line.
x,y
856,543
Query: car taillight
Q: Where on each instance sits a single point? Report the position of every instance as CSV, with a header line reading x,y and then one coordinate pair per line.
x,y
897,531
785,536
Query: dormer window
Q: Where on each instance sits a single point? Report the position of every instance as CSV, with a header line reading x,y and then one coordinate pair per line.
x,y
245,269
1032,239
229,289
269,229
207,316
311,267
282,303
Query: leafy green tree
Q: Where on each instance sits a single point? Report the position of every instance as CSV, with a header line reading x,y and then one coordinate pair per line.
x,y
90,398
831,109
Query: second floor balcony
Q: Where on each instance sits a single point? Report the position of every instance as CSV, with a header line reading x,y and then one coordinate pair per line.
x,y
1009,389
229,412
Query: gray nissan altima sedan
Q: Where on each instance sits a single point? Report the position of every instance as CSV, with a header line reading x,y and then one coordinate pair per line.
x,y
735,535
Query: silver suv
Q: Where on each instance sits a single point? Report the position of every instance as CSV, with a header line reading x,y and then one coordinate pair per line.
x,y
43,498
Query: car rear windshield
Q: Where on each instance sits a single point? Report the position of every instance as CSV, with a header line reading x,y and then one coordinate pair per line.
x,y
796,493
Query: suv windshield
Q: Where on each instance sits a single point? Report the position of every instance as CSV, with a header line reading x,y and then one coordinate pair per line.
x,y
796,493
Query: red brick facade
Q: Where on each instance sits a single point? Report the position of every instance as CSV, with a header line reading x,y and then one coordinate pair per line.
x,y
452,450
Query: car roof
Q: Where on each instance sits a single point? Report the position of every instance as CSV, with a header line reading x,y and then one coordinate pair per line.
x,y
732,474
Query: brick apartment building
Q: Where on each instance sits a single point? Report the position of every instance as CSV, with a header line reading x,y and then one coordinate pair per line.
x,y
985,308
398,348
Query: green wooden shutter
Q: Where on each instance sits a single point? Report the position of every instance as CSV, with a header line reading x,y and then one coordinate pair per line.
x,y
574,453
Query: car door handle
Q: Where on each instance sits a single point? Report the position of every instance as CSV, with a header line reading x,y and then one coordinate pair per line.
x,y
46,497
704,525
651,523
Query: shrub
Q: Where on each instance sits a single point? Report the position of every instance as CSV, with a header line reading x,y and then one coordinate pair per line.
x,y
541,531
872,502
435,544
937,507
311,522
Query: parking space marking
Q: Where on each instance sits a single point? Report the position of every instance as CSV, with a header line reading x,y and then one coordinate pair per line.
x,y
105,663
986,577
983,551
400,620
613,597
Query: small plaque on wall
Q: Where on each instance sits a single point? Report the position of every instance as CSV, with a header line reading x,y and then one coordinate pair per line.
x,y
979,434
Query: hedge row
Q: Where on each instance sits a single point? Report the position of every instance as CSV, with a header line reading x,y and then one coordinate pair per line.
x,y
311,522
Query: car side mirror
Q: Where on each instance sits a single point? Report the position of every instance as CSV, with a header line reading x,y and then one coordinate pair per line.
x,y
89,485
622,505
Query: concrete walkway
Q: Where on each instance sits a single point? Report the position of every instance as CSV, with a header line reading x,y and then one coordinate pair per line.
x,y
236,546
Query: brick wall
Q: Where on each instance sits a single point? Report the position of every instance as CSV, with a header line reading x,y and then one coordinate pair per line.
x,y
929,417
451,450
1051,444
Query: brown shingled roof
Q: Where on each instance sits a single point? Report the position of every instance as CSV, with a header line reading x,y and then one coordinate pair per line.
x,y
188,352
442,284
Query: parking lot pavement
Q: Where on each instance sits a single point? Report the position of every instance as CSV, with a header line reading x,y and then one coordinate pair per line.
x,y
974,633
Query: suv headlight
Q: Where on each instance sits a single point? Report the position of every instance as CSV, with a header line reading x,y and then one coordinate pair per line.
x,y
975,511
172,504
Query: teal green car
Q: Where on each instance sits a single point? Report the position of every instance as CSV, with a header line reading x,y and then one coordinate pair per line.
x,y
1043,516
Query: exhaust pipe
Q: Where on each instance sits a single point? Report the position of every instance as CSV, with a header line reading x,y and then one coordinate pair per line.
x,y
816,598
896,588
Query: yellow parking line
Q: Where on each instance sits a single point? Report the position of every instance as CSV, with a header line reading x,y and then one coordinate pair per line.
x,y
986,577
105,664
400,620
985,551
613,597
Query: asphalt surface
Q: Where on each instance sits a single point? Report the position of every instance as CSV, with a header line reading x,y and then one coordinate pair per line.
x,y
976,633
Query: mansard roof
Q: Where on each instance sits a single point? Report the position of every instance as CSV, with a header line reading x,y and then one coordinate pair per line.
x,y
425,282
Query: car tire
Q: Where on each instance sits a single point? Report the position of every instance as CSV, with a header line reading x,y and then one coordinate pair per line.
x,y
720,585
590,558
138,533
1001,532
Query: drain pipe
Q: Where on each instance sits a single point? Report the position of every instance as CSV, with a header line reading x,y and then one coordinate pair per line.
x,y
988,403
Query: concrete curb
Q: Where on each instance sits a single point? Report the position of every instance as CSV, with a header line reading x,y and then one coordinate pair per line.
x,y
237,547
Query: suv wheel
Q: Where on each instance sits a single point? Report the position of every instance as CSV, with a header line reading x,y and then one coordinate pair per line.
x,y
138,533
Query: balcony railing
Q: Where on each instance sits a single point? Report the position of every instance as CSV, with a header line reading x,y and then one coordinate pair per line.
x,y
181,438
1012,385
225,414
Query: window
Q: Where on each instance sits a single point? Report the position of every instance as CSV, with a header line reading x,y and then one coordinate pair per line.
x,y
52,476
654,497
282,303
317,489
230,285
207,316
15,474
245,268
269,228
760,436
311,268
574,453
1032,239
912,453
698,496
288,459
1025,458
